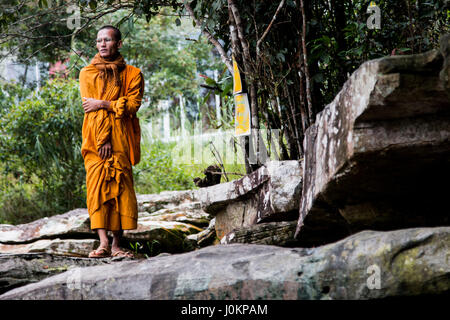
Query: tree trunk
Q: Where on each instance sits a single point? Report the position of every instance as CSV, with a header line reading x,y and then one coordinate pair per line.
x,y
244,141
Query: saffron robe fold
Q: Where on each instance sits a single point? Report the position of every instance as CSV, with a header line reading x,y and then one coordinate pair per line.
x,y
111,200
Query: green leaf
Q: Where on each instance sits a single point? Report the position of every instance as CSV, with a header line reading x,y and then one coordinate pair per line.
x,y
130,24
228,88
92,4
211,82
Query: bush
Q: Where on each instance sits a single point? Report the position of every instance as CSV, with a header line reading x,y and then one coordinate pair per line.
x,y
160,170
41,168
156,172
40,149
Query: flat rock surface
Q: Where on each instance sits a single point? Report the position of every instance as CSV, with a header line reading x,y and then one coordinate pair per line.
x,y
366,265
75,222
20,269
68,247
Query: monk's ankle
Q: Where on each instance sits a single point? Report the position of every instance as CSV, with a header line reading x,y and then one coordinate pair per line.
x,y
103,245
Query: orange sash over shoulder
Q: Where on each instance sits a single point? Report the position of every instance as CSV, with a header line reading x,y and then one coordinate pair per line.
x,y
111,178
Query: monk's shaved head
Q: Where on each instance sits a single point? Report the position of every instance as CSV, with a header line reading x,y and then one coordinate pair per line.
x,y
108,42
117,33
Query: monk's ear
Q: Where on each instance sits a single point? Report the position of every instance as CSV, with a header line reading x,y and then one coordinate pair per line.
x,y
119,44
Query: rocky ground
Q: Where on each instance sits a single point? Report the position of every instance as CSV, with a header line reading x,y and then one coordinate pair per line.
x,y
364,216
367,265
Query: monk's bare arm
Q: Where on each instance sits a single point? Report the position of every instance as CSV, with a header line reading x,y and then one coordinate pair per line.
x,y
106,105
90,104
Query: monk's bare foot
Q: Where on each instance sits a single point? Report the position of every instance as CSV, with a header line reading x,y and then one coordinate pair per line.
x,y
118,252
103,246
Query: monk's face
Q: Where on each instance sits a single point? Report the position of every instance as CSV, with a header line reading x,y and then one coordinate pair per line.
x,y
107,45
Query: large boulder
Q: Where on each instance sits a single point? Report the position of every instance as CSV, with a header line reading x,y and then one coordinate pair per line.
x,y
67,247
165,199
164,222
378,156
23,268
153,236
270,233
72,224
270,193
366,265
190,212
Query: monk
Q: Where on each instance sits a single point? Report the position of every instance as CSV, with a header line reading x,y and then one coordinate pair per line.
x,y
111,92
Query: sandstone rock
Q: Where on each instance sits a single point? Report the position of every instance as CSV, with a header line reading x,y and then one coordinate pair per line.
x,y
444,75
270,193
161,235
366,265
179,214
206,237
71,224
165,199
190,212
68,247
378,155
20,269
215,198
269,233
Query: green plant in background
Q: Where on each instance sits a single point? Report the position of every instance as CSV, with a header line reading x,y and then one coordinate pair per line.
x,y
11,93
223,87
136,246
40,152
151,247
156,171
161,169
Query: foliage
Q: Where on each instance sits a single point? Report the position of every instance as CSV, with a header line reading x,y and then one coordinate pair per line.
x,y
336,50
151,249
156,171
11,93
40,144
163,167
224,89
41,38
337,41
170,62
284,93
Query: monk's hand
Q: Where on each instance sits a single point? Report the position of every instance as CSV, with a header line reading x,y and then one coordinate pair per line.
x,y
90,104
105,151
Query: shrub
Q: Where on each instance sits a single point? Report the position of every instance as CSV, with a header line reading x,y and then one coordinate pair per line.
x,y
156,172
40,143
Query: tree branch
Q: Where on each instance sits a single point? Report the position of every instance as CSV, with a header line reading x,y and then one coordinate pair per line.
x,y
258,43
240,32
219,47
305,62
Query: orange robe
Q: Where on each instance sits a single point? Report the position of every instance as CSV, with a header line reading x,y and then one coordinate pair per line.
x,y
111,200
